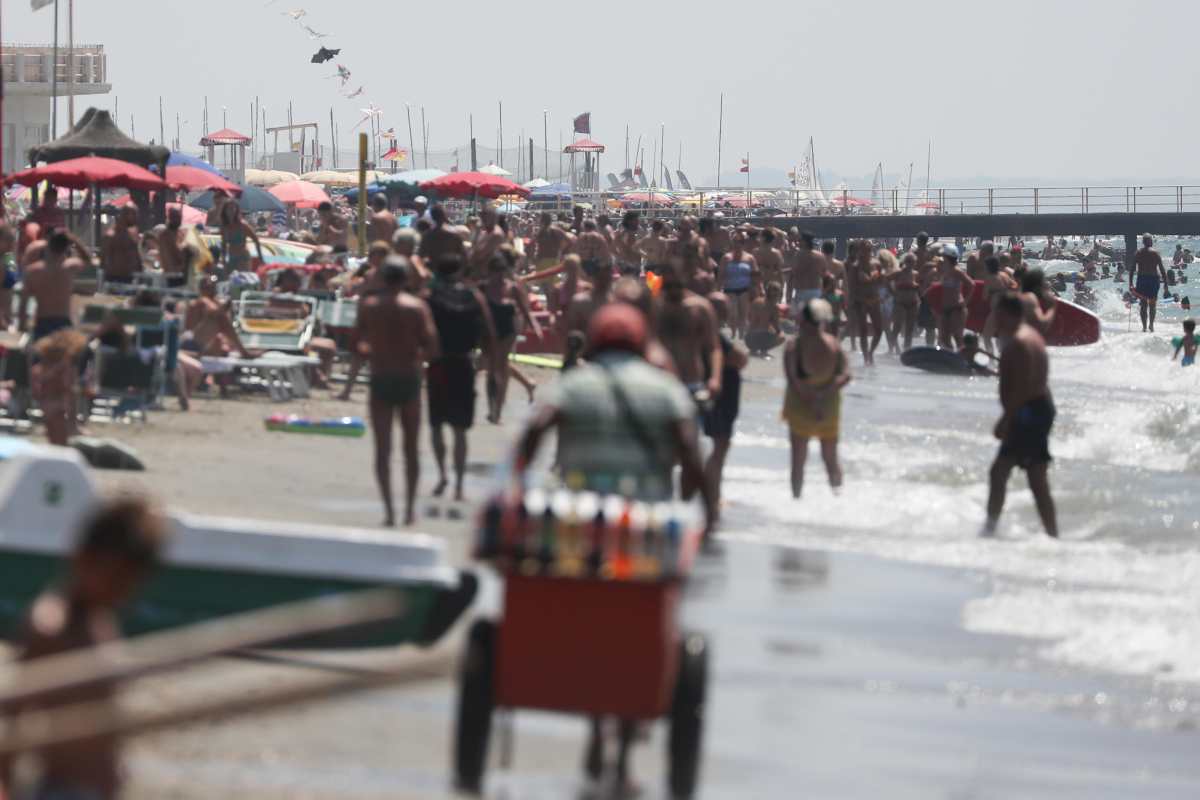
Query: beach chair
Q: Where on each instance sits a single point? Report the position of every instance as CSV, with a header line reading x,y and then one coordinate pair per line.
x,y
277,322
125,382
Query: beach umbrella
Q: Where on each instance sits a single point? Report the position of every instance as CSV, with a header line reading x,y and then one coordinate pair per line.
x,y
195,179
300,194
413,176
850,202
178,159
253,200
492,169
191,215
536,183
372,190
269,177
80,173
647,199
329,177
473,184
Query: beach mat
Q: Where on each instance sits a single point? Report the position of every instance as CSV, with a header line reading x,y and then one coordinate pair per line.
x,y
546,362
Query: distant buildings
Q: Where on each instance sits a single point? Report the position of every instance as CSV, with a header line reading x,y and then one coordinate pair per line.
x,y
28,89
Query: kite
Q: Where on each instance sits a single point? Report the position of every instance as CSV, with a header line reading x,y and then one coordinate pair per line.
x,y
343,74
368,112
355,93
295,14
313,34
323,55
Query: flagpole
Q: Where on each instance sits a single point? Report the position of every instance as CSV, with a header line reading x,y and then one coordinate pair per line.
x,y
747,183
54,80
412,143
546,143
71,63
720,138
499,155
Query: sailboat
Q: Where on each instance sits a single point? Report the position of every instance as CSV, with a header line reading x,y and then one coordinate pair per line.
x,y
877,187
808,182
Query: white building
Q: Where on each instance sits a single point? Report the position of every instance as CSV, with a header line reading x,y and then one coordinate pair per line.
x,y
28,90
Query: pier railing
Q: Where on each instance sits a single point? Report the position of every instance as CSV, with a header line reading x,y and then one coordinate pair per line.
x,y
757,201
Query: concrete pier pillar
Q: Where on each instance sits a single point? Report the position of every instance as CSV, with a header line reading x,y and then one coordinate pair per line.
x,y
1131,248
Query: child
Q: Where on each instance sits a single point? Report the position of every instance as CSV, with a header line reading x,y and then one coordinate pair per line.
x,y
837,302
1186,343
53,379
764,333
970,353
116,552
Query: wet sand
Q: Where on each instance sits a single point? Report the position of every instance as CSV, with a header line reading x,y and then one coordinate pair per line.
x,y
832,675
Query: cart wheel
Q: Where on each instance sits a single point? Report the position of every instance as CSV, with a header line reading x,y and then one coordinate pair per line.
x,y
687,717
475,708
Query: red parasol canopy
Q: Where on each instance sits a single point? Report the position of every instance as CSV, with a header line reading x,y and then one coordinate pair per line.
x,y
224,136
81,173
470,184
300,194
849,202
584,146
194,178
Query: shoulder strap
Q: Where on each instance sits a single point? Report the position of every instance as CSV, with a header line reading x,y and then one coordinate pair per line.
x,y
635,423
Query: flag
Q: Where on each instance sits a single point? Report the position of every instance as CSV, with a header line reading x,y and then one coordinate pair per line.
x,y
583,123
637,170
394,154
36,4
745,165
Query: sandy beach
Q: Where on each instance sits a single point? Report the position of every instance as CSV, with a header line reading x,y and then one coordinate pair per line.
x,y
835,675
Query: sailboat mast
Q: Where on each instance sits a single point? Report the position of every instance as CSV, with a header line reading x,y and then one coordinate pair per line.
x,y
720,137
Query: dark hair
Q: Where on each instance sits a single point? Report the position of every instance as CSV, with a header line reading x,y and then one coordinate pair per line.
x,y
631,219
809,239
1189,324
498,263
58,242
288,274
424,226
447,265
1034,280
379,202
325,206
922,239
589,225
395,271
993,264
828,247
657,225
126,528
768,236
1010,303
970,340
438,215
706,224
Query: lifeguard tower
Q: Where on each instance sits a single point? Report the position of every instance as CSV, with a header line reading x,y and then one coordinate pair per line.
x,y
233,146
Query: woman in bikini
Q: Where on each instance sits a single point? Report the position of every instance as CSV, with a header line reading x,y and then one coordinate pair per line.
x,y
908,299
234,232
996,281
957,288
505,299
737,275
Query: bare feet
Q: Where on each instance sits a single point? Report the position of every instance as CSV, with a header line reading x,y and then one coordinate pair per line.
x,y
531,390
440,488
409,518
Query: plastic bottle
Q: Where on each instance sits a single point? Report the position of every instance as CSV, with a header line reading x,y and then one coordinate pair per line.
x,y
673,534
487,543
621,564
595,557
571,518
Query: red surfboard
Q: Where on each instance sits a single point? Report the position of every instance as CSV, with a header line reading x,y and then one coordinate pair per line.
x,y
1073,325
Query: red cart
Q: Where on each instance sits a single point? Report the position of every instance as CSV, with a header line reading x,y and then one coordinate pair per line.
x,y
585,646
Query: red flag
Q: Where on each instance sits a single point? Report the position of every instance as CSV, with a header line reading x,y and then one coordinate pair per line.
x,y
637,170
745,165
583,123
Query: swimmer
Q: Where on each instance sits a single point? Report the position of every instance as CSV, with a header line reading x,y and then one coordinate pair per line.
x,y
1186,343
970,352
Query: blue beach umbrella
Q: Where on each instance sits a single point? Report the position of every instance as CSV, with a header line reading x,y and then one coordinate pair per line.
x,y
184,160
252,201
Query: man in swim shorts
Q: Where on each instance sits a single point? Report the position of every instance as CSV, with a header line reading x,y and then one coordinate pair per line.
x,y
396,329
1024,428
808,271
718,421
1148,271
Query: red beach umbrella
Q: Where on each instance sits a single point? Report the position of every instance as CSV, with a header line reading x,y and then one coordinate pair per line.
x,y
300,194
81,173
195,179
471,184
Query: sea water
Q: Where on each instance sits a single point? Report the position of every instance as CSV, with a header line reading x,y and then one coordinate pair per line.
x,y
1119,592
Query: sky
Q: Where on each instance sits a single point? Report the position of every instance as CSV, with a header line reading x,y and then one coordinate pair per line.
x,y
1053,90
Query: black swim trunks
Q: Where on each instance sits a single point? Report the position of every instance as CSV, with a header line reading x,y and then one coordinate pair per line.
x,y
719,420
48,325
395,389
1028,439
452,392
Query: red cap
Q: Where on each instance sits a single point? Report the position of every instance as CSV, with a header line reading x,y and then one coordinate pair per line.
x,y
617,326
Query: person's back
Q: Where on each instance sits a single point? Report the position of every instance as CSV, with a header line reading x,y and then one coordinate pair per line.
x,y
598,438
395,328
458,317
49,282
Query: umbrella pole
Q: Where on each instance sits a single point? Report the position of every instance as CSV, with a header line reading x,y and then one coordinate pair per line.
x,y
95,216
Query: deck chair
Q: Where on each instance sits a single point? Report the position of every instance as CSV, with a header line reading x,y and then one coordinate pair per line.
x,y
277,322
125,382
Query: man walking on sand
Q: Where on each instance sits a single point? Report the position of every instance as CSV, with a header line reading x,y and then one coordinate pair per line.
x,y
1024,428
397,331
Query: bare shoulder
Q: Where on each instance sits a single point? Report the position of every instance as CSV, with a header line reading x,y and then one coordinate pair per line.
x,y
47,621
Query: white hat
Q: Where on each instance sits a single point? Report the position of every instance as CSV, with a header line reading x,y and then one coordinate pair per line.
x,y
422,199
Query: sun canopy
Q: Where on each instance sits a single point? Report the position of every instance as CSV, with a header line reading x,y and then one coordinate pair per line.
x,y
253,200
224,136
300,194
178,159
413,176
269,177
584,146
492,169
81,173
472,184
97,135
193,179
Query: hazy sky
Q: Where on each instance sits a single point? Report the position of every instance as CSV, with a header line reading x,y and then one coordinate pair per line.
x,y
1055,89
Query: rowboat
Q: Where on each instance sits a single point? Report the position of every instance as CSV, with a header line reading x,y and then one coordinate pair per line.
x,y
217,566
